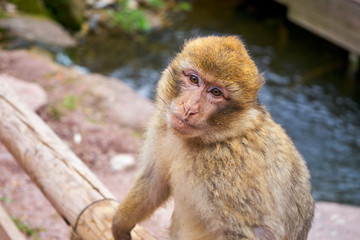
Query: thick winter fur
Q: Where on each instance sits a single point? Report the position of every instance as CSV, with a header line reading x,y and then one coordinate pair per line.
x,y
236,175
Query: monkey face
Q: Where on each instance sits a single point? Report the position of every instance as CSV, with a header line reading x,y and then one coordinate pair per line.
x,y
207,85
198,100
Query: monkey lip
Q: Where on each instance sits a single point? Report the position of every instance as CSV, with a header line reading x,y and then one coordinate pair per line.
x,y
181,125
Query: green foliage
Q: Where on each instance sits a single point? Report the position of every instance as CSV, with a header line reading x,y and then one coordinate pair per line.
x,y
131,20
123,4
3,14
135,20
184,6
156,3
30,6
26,229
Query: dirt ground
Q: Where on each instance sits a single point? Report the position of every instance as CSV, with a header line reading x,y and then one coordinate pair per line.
x,y
110,119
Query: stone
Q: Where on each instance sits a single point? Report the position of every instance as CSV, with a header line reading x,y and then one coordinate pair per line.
x,y
119,102
103,3
31,94
122,162
124,104
77,138
335,221
41,30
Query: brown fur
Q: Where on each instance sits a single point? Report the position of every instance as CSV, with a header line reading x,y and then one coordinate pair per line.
x,y
233,172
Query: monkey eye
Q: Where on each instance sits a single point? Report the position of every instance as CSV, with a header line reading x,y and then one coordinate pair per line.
x,y
194,79
216,92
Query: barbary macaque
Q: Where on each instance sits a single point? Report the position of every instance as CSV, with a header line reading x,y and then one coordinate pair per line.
x,y
232,171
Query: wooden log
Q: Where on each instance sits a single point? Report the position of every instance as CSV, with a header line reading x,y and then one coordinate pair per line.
x,y
61,176
8,229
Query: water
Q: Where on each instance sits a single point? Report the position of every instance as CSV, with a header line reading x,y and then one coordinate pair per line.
x,y
307,90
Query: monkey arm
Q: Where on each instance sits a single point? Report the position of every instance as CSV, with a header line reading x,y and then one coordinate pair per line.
x,y
148,192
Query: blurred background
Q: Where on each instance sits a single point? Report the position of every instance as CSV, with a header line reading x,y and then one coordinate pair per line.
x,y
312,81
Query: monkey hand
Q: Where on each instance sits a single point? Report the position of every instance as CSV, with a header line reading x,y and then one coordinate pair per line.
x,y
122,235
120,232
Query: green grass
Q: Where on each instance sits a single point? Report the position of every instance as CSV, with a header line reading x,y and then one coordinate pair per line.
x,y
6,199
71,102
26,229
67,104
132,20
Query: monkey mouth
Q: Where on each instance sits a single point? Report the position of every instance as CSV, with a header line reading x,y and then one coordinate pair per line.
x,y
181,125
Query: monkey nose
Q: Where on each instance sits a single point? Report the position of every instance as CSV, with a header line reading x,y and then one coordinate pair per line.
x,y
190,112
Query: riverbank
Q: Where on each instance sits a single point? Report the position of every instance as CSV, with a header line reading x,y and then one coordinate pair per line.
x,y
100,118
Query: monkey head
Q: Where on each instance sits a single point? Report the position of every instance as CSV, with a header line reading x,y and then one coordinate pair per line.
x,y
212,81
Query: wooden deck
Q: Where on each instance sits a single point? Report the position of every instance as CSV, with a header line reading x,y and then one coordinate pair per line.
x,y
335,20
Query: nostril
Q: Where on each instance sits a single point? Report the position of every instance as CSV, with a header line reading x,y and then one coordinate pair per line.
x,y
189,114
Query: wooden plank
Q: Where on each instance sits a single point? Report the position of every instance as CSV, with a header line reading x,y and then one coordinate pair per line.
x,y
284,2
335,20
8,229
61,176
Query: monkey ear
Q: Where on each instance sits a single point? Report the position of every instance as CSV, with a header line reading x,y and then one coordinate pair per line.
x,y
262,79
259,82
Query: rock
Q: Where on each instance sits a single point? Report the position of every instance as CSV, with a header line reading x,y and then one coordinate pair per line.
x,y
10,8
117,101
335,221
90,2
77,138
103,3
94,21
133,4
155,20
123,104
122,162
30,93
25,65
38,30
